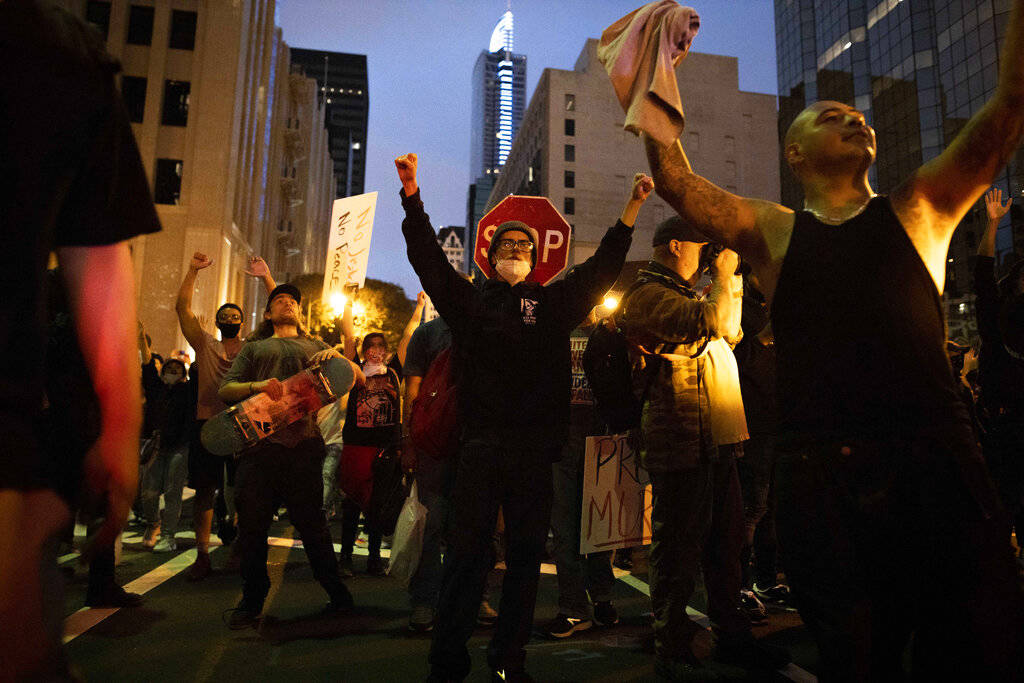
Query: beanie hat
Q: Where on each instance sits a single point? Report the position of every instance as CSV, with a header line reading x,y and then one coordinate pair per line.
x,y
514,225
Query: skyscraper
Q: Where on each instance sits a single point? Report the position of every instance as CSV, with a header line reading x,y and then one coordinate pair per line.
x,y
499,99
342,79
918,69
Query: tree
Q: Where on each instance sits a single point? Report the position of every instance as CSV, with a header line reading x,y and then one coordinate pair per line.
x,y
383,307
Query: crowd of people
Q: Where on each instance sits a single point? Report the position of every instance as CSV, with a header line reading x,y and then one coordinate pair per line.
x,y
809,443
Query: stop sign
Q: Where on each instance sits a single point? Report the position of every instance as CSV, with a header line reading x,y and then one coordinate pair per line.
x,y
552,234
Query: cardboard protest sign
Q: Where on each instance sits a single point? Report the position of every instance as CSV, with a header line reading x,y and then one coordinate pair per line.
x,y
616,509
348,250
552,232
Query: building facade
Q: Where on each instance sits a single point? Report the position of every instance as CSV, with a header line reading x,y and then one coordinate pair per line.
x,y
573,150
231,142
344,90
499,99
918,69
452,241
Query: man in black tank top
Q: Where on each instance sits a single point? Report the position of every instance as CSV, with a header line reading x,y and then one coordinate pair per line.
x,y
888,523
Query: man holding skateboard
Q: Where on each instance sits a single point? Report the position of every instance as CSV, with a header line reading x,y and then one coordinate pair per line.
x,y
284,467
213,358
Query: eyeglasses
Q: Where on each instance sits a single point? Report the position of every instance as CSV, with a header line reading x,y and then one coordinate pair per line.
x,y
509,245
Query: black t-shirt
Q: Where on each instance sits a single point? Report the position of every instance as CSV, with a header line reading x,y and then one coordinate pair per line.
x,y
374,416
72,176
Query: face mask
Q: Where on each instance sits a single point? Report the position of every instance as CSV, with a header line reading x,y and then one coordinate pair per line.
x,y
513,271
170,377
229,330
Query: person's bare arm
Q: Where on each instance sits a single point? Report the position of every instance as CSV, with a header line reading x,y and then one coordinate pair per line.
x,y
259,268
188,320
995,210
101,288
750,227
348,329
726,295
412,390
414,322
144,351
940,193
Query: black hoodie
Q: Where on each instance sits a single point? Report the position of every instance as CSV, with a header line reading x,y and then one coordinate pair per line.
x,y
511,343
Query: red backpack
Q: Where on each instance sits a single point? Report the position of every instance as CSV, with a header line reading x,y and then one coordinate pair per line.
x,y
433,427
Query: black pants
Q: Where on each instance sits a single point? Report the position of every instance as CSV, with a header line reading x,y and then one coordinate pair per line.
x,y
884,541
489,476
697,521
756,470
271,475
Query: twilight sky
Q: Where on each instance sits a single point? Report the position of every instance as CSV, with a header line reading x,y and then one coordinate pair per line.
x,y
420,57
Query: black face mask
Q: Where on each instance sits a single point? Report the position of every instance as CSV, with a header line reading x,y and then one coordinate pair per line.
x,y
229,330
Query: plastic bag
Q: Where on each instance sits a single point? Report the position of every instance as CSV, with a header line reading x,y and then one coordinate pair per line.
x,y
407,544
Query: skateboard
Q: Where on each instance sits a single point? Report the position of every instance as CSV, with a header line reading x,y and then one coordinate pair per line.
x,y
245,424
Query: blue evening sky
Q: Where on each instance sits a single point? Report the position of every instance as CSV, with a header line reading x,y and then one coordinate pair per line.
x,y
420,57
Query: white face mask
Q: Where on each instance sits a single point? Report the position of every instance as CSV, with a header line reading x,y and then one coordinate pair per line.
x,y
171,377
513,271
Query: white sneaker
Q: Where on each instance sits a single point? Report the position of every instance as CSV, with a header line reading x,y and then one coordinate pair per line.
x,y
166,544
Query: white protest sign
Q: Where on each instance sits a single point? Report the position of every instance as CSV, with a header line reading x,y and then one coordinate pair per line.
x,y
348,250
616,509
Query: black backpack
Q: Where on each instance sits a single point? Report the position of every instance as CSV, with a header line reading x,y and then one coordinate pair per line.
x,y
609,372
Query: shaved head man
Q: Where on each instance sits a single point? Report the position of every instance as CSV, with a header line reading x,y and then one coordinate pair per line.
x,y
884,501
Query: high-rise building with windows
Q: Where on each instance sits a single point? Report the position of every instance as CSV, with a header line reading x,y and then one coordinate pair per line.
x,y
918,69
499,99
343,83
233,144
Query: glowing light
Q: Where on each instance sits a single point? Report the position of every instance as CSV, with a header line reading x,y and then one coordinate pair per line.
x,y
338,301
358,310
610,302
501,37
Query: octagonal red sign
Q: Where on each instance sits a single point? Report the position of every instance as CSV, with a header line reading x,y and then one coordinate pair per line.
x,y
553,234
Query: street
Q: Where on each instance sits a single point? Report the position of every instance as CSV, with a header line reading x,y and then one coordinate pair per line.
x,y
179,632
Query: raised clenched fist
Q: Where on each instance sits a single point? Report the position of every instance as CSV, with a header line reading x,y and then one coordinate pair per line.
x,y
200,261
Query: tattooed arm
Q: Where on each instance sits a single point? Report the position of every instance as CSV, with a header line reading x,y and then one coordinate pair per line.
x,y
756,229
941,192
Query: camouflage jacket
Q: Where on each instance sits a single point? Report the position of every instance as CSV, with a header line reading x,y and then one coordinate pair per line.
x,y
665,315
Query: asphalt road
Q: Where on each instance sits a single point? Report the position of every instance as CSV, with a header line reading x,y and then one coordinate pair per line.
x,y
179,632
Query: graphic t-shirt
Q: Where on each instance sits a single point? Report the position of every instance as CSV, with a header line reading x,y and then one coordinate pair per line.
x,y
583,416
374,415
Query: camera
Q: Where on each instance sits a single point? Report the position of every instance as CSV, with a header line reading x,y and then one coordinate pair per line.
x,y
708,253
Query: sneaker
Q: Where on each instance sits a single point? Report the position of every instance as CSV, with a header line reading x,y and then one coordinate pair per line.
x,y
245,615
422,619
605,614
624,560
166,544
486,617
753,608
199,569
345,567
375,566
114,597
563,626
746,651
777,597
341,599
513,675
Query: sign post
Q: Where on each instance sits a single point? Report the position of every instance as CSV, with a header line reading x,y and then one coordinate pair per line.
x,y
553,234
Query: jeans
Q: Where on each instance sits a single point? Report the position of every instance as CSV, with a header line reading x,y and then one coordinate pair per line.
x,y
166,475
490,475
885,540
433,486
756,470
274,474
696,521
577,574
330,474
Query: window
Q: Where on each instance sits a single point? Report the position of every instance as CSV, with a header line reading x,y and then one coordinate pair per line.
x,y
167,189
140,25
176,103
98,14
183,30
570,127
570,152
570,179
569,206
133,90
570,102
